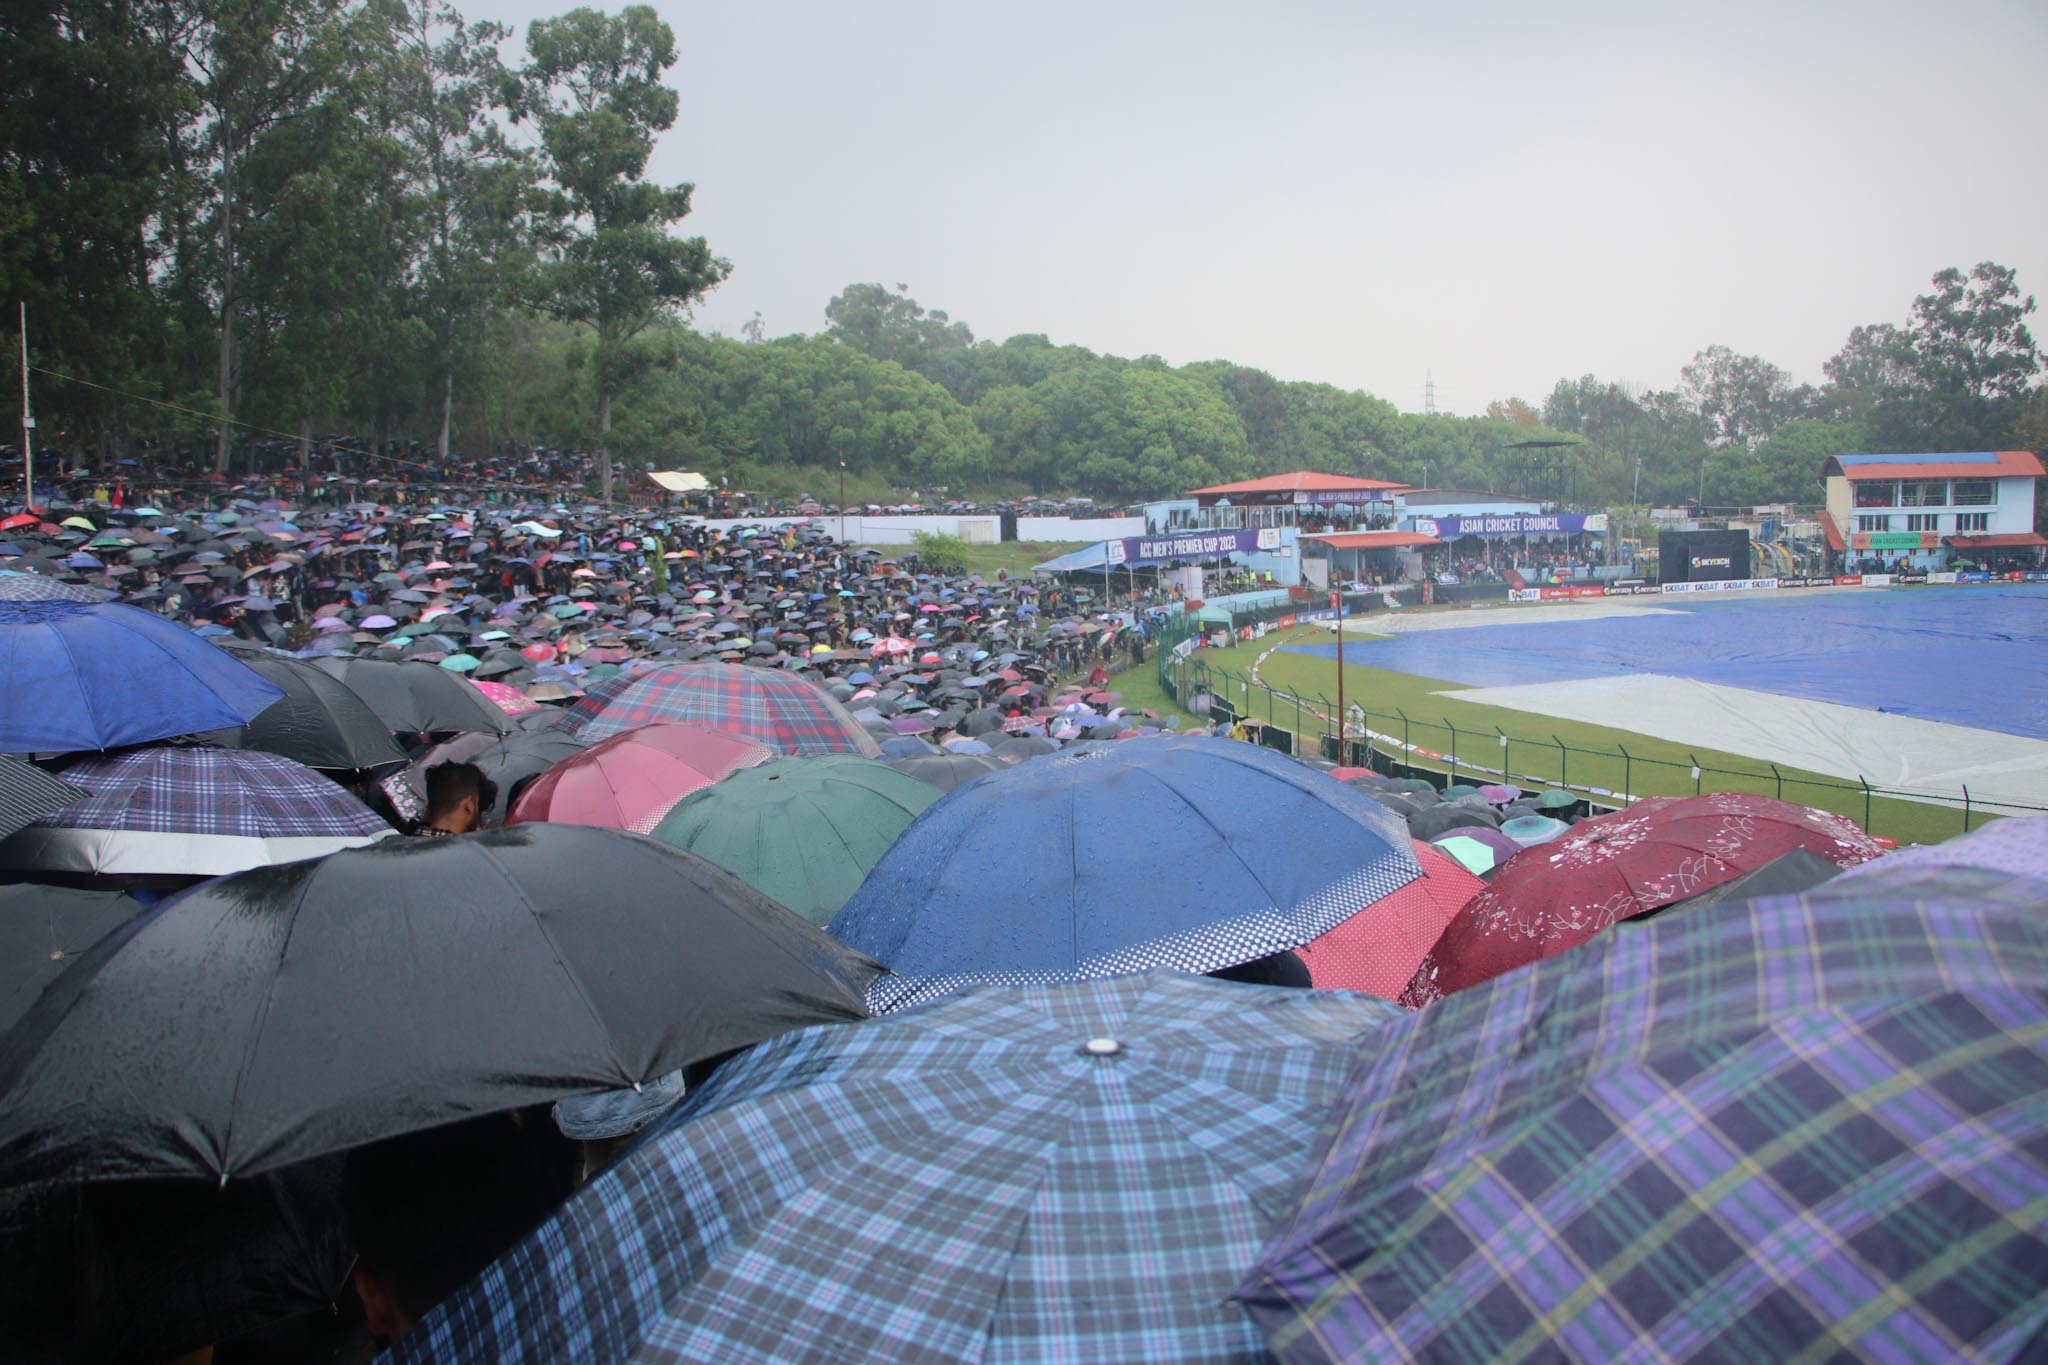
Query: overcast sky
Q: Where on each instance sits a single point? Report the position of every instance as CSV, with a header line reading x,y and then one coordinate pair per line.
x,y
1500,194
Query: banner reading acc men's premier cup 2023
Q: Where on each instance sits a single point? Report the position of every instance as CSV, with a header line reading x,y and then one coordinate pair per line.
x,y
1137,551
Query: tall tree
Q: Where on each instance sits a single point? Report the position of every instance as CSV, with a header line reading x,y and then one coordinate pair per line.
x,y
592,86
1742,398
86,94
254,64
471,181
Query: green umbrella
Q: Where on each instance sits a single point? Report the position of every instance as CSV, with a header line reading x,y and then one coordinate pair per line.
x,y
804,831
460,663
1458,789
1555,800
1472,855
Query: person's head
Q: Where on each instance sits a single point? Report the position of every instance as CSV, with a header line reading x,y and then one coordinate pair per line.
x,y
430,1210
458,796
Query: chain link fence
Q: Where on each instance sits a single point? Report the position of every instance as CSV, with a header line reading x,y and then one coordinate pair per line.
x,y
1442,752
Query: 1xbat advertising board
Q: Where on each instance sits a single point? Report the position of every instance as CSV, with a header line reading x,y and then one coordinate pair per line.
x,y
1702,556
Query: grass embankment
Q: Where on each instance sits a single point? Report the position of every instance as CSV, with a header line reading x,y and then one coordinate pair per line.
x,y
1655,767
1019,557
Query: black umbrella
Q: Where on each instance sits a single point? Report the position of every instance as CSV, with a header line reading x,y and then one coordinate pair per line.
x,y
27,794
321,722
982,722
510,762
291,1011
947,771
415,698
42,928
1442,818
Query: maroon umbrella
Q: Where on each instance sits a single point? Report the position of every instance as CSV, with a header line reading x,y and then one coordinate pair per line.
x,y
632,779
1558,895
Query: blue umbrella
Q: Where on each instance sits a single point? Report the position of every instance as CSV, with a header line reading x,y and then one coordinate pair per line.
x,y
1097,862
103,675
1073,1173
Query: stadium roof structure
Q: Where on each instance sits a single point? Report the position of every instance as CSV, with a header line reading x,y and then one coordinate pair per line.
x,y
1374,540
1282,487
2002,540
1973,464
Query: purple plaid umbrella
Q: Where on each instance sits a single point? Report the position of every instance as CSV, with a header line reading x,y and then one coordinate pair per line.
x,y
781,710
192,812
1809,1127
2014,845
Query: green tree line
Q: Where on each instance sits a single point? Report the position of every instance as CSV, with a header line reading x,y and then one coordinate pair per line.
x,y
239,224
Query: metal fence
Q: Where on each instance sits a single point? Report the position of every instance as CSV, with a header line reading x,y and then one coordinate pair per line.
x,y
1440,751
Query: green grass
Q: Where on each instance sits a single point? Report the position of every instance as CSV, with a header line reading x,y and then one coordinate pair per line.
x,y
1017,556
1656,767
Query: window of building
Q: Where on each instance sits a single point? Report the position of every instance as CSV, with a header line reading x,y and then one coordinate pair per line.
x,y
1966,522
1873,523
1923,521
1877,493
1976,493
1924,493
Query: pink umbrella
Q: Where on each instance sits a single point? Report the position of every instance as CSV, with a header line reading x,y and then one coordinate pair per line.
x,y
631,780
1378,949
510,700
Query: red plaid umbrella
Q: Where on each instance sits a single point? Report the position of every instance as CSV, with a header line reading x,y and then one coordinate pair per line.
x,y
1554,897
632,779
1378,949
781,710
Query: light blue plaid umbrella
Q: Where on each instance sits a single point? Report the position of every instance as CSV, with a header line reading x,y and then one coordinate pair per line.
x,y
1048,1173
1799,1128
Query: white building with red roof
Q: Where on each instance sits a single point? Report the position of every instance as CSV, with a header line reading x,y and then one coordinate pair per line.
x,y
1930,509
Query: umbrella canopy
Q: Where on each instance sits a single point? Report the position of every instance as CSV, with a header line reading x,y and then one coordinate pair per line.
x,y
417,698
508,699
1809,1128
510,761
805,832
1378,949
1431,821
1478,851
947,771
784,711
1073,1173
462,975
189,811
104,675
27,794
41,929
1054,871
631,780
320,722
2015,844
1559,894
